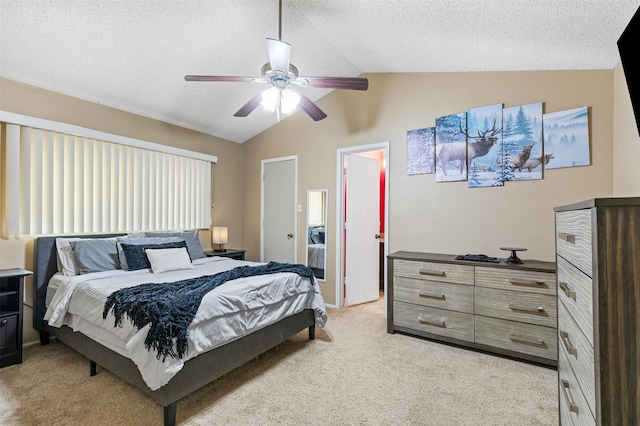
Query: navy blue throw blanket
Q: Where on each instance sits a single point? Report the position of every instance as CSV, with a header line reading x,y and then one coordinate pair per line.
x,y
170,307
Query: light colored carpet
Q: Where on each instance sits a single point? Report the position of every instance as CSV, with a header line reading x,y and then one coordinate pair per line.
x,y
353,373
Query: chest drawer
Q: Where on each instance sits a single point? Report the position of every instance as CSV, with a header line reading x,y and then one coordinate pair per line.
x,y
516,336
573,238
575,291
579,355
538,309
573,405
8,334
516,280
454,297
433,271
456,325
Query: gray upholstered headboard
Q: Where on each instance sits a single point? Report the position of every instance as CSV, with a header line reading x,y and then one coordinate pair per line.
x,y
46,266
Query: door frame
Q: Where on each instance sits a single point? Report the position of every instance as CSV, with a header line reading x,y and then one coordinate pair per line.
x,y
340,194
295,203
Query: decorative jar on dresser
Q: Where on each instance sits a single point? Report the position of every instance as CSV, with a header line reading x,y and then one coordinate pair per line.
x,y
598,258
503,308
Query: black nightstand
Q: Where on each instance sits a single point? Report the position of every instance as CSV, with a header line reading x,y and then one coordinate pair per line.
x,y
11,300
236,254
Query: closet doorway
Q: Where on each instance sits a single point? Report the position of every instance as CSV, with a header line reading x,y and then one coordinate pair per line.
x,y
362,200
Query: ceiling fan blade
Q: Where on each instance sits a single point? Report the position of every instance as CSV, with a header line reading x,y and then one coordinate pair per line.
x,y
311,109
279,54
249,106
218,78
348,83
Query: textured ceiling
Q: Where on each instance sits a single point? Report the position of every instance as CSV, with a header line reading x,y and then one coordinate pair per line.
x,y
133,55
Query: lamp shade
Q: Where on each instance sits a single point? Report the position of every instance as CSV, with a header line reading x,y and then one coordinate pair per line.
x,y
219,235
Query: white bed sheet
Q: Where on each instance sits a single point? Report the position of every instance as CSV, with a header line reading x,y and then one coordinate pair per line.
x,y
316,256
226,313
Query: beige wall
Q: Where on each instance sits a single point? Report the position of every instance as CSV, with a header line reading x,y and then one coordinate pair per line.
x,y
440,217
28,100
423,215
626,152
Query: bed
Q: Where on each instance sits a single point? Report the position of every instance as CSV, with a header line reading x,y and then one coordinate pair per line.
x,y
316,251
216,356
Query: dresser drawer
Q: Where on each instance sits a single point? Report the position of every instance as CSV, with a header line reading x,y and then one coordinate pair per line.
x,y
434,271
573,404
516,336
441,322
575,290
573,238
579,355
454,297
516,280
538,309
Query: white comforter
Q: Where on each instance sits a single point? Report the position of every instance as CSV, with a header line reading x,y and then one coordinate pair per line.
x,y
228,312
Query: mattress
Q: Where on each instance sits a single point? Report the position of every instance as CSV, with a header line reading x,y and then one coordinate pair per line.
x,y
226,313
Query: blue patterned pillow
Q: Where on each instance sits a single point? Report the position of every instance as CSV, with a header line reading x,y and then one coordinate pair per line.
x,y
136,256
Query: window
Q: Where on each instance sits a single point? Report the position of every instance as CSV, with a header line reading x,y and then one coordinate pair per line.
x,y
59,182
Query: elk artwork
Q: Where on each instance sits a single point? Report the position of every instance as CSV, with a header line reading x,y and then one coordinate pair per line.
x,y
518,160
532,163
458,151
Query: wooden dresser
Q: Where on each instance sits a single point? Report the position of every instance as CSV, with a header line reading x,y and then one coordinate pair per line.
x,y
598,257
497,307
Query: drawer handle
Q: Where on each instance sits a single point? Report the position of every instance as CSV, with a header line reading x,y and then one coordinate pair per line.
x,y
567,344
4,322
526,339
528,283
570,238
566,290
431,295
431,272
536,310
567,395
429,321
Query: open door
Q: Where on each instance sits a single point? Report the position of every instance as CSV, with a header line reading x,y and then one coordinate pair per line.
x,y
279,218
362,227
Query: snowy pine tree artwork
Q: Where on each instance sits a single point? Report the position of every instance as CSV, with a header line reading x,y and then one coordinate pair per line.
x,y
451,147
421,146
566,136
484,134
522,156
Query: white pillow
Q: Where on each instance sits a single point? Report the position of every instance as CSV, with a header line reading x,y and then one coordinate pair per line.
x,y
66,260
169,259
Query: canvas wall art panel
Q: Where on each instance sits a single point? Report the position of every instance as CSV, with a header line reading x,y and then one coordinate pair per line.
x,y
451,147
421,145
566,136
522,142
484,146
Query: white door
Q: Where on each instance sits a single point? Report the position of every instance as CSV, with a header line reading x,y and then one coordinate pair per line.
x,y
362,226
279,199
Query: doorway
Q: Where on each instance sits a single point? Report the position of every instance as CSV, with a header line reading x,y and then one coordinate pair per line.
x,y
361,247
279,198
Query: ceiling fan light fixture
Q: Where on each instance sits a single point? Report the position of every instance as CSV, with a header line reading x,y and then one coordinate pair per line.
x,y
284,100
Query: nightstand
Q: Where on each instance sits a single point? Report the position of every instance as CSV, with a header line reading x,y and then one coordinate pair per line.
x,y
236,254
11,301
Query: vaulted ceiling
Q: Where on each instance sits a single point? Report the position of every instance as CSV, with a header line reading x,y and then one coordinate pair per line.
x,y
133,55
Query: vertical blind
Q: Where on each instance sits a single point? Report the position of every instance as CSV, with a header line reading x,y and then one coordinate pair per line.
x,y
317,208
62,183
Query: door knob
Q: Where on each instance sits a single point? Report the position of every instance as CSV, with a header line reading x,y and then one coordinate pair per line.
x,y
377,236
289,236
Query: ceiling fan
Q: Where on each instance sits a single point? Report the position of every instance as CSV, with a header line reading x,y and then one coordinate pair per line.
x,y
281,75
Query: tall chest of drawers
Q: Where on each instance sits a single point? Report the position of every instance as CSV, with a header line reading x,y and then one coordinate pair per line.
x,y
497,307
598,258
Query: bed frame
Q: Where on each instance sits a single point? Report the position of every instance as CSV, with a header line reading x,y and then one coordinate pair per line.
x,y
196,373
